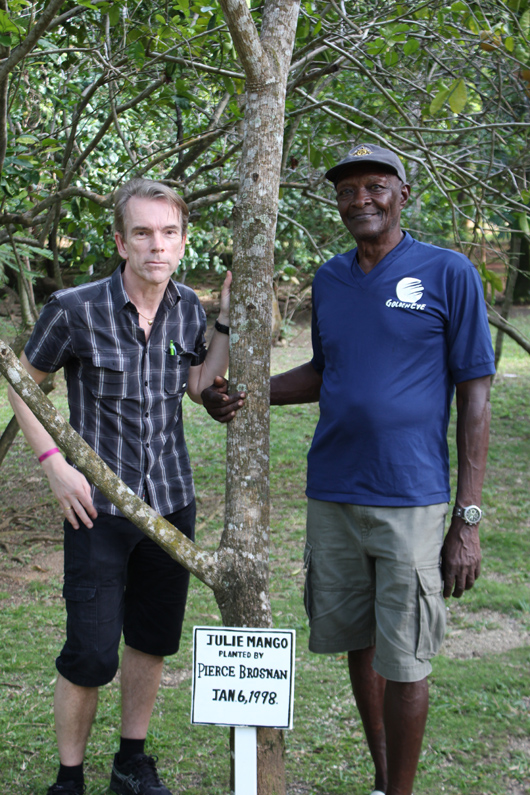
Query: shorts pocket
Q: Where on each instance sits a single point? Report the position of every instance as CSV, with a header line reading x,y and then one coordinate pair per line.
x,y
431,612
81,621
307,585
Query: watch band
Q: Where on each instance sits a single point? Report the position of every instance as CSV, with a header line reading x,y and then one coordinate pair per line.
x,y
470,515
222,328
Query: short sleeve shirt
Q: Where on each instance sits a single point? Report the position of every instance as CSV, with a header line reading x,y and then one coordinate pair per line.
x,y
391,345
125,394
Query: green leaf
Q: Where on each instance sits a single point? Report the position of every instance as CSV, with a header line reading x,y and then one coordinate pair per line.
x,y
524,22
26,139
228,84
458,96
411,46
6,24
329,160
391,59
439,101
183,6
509,43
315,156
523,223
114,14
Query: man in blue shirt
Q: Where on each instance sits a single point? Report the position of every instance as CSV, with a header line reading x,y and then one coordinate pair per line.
x,y
397,327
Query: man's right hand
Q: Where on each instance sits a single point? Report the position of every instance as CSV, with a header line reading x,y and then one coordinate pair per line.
x,y
218,403
72,490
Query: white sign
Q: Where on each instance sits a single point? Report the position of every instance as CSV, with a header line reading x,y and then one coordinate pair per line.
x,y
243,677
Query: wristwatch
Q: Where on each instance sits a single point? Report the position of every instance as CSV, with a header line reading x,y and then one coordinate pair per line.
x,y
471,515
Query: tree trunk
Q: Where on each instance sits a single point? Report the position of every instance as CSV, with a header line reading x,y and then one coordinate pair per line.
x,y
511,278
243,596
522,282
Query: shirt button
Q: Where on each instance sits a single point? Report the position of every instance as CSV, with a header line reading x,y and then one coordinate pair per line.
x,y
147,445
146,413
146,383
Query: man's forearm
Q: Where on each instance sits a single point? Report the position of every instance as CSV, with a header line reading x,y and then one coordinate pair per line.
x,y
472,438
299,385
37,437
216,363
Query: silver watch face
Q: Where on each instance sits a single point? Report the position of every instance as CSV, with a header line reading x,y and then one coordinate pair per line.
x,y
472,514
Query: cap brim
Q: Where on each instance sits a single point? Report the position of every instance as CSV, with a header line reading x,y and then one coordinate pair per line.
x,y
334,173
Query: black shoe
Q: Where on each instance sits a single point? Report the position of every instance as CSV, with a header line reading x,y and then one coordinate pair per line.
x,y
67,788
137,776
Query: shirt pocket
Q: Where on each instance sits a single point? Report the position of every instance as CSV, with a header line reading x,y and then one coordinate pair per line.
x,y
176,371
106,374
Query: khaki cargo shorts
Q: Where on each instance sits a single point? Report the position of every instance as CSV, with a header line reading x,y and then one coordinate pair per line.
x,y
373,578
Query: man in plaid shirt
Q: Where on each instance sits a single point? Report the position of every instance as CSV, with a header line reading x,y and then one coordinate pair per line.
x,y
131,345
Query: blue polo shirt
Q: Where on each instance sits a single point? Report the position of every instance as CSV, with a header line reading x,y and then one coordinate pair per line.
x,y
391,345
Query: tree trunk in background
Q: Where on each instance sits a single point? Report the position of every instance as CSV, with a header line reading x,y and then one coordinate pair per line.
x,y
511,278
522,283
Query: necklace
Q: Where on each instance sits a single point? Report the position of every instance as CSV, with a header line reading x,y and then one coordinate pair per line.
x,y
150,320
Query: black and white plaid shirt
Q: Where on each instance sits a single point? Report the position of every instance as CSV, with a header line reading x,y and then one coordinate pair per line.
x,y
125,395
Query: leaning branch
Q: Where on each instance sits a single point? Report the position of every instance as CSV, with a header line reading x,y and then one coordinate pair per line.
x,y
496,320
177,545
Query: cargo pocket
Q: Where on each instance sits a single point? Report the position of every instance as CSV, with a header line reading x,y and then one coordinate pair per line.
x,y
431,612
81,621
307,586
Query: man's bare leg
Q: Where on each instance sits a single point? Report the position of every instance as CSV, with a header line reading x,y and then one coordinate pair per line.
x,y
75,709
405,713
369,692
140,678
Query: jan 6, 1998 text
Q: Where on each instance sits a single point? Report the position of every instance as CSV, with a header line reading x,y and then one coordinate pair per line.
x,y
254,697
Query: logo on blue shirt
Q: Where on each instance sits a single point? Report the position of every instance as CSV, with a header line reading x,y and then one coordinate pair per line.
x,y
409,292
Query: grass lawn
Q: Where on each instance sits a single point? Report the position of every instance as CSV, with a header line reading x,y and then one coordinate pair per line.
x,y
478,735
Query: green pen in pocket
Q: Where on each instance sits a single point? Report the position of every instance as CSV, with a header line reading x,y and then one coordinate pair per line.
x,y
172,349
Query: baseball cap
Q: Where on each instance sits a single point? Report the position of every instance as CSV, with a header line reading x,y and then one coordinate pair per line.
x,y
368,153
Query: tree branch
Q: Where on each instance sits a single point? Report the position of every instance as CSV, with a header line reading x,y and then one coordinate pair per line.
x,y
108,122
17,54
246,39
177,545
496,320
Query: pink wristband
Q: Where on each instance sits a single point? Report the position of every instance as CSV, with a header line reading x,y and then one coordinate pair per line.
x,y
48,453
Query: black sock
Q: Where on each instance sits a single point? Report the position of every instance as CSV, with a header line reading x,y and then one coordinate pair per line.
x,y
73,773
129,748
